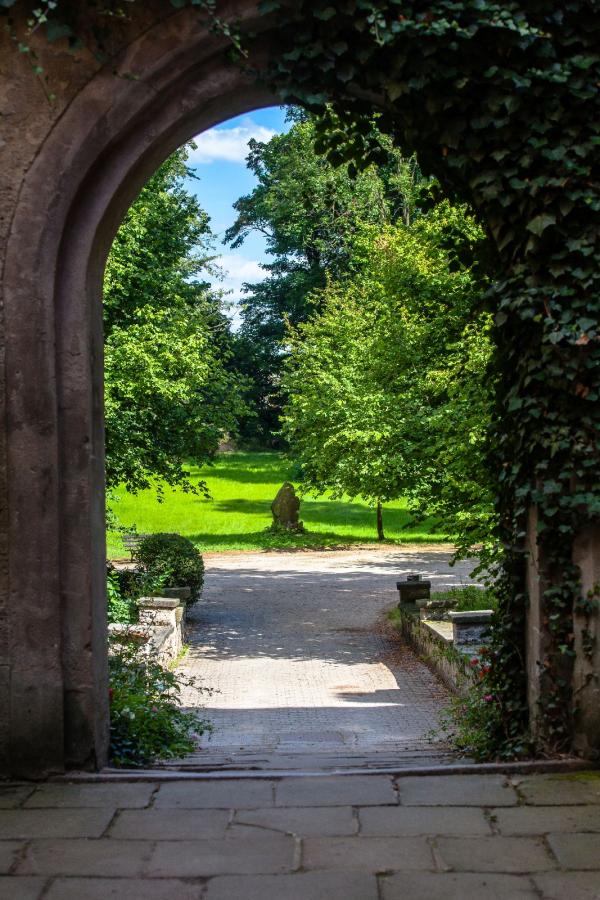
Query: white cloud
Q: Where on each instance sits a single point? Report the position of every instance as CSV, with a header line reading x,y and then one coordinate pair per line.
x,y
230,144
237,270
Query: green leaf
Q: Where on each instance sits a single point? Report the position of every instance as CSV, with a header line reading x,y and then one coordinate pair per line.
x,y
539,224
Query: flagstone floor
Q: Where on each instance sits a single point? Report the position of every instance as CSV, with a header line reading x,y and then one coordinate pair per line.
x,y
352,837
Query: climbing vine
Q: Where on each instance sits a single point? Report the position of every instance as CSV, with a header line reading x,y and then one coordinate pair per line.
x,y
500,101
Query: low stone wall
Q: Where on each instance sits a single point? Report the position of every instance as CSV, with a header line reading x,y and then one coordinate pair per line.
x,y
160,631
434,642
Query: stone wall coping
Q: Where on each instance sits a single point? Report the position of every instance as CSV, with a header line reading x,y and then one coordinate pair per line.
x,y
472,617
158,603
441,630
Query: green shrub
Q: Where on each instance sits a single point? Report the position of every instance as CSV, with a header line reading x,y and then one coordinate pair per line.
x,y
468,598
174,558
146,719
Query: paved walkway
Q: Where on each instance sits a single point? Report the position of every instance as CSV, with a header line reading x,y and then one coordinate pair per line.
x,y
304,669
354,837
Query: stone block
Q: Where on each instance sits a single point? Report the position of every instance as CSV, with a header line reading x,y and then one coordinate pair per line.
x,y
123,859
456,790
300,886
340,790
470,629
425,820
494,854
571,885
367,854
456,886
124,889
302,821
544,819
24,824
169,824
547,790
413,589
121,795
240,855
217,794
576,851
21,888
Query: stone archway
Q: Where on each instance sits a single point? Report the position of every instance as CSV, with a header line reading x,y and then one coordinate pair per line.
x,y
72,169
86,172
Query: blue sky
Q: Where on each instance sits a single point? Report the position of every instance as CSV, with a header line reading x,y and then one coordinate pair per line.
x,y
219,163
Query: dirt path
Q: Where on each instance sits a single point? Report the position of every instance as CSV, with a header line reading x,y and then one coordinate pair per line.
x,y
304,671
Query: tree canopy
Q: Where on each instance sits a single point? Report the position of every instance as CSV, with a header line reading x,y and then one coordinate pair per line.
x,y
169,391
309,211
388,384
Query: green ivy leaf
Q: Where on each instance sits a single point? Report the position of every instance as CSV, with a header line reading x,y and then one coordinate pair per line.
x,y
539,224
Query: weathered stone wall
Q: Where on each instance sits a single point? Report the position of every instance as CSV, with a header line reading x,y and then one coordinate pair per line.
x,y
69,170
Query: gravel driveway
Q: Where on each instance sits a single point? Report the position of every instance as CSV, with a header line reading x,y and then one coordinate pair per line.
x,y
304,670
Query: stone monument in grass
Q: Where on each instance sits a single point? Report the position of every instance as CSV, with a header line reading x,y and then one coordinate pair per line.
x,y
285,508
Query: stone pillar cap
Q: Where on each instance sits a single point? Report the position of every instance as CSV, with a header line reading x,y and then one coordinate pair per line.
x,y
158,602
474,616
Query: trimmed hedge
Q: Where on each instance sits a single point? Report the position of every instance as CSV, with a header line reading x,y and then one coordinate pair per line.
x,y
174,558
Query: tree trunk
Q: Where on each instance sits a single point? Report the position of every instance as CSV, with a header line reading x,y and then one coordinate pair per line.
x,y
380,534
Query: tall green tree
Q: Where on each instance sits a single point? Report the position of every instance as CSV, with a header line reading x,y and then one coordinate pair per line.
x,y
388,384
309,212
170,393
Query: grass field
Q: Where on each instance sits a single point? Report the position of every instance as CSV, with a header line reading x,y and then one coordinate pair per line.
x,y
242,488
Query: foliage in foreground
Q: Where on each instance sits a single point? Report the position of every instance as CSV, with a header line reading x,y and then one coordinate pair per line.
x,y
146,719
173,559
389,385
480,725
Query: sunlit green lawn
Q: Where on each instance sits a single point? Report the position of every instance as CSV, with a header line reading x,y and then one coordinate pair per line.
x,y
242,488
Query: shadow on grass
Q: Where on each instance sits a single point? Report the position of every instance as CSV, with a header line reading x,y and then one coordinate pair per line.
x,y
267,540
247,468
330,512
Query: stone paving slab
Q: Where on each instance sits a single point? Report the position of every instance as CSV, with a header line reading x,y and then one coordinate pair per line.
x,y
123,859
425,820
494,854
243,793
62,796
560,789
23,888
464,886
12,795
457,790
302,886
531,820
8,854
246,854
576,851
334,821
367,854
179,824
359,790
46,823
568,886
125,889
